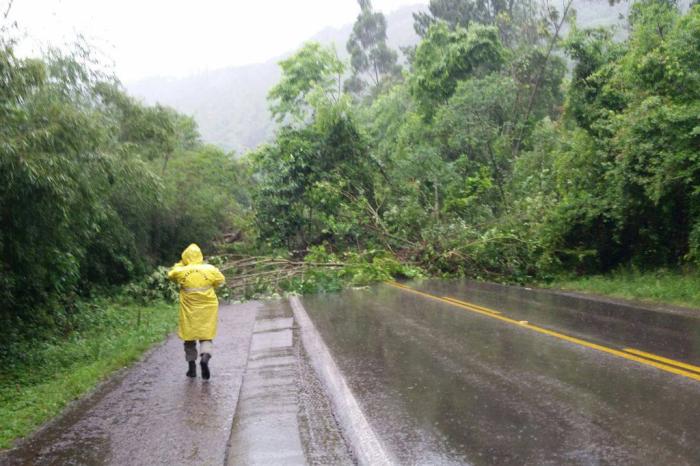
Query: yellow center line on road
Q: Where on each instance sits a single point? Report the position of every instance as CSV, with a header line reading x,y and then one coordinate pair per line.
x,y
653,362
671,362
464,303
447,300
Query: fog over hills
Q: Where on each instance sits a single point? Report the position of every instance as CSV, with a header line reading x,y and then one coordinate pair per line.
x,y
230,104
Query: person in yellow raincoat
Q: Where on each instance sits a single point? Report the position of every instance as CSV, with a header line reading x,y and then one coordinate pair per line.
x,y
199,306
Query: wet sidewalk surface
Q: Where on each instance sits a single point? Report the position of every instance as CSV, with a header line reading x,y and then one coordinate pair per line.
x,y
152,414
442,385
263,405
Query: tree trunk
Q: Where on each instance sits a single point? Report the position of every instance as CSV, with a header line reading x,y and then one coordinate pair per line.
x,y
540,76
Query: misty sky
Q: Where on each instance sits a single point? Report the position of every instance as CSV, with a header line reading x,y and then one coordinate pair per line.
x,y
176,37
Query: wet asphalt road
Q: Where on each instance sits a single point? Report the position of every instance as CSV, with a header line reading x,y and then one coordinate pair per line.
x,y
443,385
669,332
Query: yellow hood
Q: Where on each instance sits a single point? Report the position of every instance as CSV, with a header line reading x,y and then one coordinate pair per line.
x,y
192,255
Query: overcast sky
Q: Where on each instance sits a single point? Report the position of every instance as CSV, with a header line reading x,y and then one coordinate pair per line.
x,y
177,37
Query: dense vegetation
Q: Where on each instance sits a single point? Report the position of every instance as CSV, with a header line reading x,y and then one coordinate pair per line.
x,y
96,189
502,149
653,287
505,149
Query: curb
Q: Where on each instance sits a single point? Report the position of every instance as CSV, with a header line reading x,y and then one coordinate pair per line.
x,y
362,439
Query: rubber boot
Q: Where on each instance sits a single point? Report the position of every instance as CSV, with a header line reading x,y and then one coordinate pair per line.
x,y
204,364
192,372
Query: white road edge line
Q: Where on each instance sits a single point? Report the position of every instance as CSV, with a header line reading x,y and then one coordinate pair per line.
x,y
364,443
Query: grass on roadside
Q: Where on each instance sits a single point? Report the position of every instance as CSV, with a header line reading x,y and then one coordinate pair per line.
x,y
53,373
661,286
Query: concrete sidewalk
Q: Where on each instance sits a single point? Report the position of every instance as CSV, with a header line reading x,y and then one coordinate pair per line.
x,y
283,415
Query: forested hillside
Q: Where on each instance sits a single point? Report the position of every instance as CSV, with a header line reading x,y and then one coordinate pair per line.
x,y
484,157
229,105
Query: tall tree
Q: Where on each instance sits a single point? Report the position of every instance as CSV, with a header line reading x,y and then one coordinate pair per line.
x,y
371,59
446,57
311,71
453,12
516,19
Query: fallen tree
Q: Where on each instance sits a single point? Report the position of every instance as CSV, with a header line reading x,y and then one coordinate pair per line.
x,y
268,272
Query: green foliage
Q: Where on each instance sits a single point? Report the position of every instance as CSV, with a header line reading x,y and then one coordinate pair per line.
x,y
475,129
96,187
454,13
366,267
307,178
588,100
516,20
152,288
484,164
631,171
660,286
445,57
359,269
370,57
207,192
313,69
55,177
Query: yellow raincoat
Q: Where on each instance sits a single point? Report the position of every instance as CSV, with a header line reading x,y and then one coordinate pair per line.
x,y
199,305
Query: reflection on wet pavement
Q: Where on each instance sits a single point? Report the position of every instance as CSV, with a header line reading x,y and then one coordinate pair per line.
x,y
444,386
640,357
672,334
153,414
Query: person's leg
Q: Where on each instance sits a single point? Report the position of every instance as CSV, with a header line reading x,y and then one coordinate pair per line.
x,y
191,357
191,350
205,348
